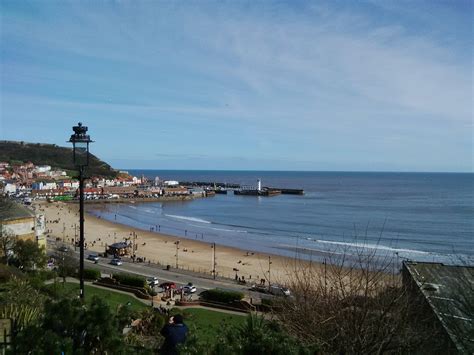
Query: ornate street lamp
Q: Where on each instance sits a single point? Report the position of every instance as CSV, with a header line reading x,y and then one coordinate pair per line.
x,y
80,142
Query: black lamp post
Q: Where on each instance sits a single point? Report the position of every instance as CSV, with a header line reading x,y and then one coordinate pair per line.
x,y
80,143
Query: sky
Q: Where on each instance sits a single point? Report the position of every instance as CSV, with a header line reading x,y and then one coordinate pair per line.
x,y
244,85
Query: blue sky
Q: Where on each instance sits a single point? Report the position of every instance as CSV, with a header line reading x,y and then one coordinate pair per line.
x,y
297,85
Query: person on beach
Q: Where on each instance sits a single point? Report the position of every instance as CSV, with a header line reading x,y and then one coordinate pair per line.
x,y
175,333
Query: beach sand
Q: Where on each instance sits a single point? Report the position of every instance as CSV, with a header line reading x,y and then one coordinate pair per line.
x,y
161,248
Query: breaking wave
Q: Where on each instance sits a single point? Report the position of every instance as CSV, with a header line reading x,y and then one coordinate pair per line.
x,y
192,219
372,246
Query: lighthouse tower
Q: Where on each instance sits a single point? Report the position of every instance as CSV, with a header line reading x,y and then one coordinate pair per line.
x,y
259,185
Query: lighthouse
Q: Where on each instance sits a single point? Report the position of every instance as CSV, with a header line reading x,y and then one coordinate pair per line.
x,y
259,185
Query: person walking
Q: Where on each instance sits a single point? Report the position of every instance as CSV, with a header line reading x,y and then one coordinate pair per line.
x,y
175,333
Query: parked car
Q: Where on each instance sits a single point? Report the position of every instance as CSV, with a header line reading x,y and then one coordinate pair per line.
x,y
189,288
278,290
259,288
152,281
116,261
168,285
64,249
93,257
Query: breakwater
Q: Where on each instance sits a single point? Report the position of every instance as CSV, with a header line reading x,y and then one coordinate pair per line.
x,y
220,187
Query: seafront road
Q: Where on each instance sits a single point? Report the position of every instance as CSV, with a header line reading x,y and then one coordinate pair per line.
x,y
178,276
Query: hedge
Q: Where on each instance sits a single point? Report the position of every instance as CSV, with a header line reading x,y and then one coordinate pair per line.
x,y
91,274
130,280
223,296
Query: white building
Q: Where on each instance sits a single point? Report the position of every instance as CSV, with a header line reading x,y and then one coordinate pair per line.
x,y
9,187
22,223
68,184
42,168
44,185
105,182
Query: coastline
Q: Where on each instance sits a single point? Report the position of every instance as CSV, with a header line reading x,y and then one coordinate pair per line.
x,y
159,248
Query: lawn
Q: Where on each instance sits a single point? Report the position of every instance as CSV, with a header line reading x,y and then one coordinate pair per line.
x,y
114,299
207,323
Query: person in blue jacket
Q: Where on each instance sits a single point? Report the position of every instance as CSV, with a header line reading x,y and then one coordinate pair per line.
x,y
175,333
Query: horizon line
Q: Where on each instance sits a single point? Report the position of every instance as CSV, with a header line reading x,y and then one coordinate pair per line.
x,y
310,171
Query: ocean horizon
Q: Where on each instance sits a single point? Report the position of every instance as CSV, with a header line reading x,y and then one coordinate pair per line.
x,y
407,215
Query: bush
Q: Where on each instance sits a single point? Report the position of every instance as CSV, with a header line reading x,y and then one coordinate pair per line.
x,y
91,274
268,302
221,295
130,280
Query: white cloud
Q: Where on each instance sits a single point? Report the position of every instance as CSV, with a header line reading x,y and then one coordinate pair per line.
x,y
292,81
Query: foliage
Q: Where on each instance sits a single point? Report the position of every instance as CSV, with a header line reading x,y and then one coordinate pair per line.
x,y
91,274
223,296
7,272
28,255
66,264
151,322
7,243
49,154
146,332
42,342
130,280
37,278
68,324
255,336
21,302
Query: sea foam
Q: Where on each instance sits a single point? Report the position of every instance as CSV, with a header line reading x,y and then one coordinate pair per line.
x,y
372,246
192,219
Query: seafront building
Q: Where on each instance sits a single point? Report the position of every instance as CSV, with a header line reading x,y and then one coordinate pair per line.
x,y
22,223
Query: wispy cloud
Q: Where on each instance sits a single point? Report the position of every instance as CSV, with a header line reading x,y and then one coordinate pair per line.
x,y
288,82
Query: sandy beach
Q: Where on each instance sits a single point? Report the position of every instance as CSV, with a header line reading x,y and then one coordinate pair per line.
x,y
63,218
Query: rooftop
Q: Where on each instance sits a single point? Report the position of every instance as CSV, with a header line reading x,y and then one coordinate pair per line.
x,y
449,290
10,210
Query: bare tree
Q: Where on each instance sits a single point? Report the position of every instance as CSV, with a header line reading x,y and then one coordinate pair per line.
x,y
354,304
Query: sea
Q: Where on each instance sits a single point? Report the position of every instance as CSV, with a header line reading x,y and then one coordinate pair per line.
x,y
399,216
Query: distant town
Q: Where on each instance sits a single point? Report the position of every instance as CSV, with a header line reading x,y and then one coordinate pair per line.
x,y
27,181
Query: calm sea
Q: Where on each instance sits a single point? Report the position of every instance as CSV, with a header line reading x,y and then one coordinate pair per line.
x,y
420,216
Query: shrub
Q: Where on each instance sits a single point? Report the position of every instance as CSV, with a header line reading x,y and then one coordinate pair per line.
x,y
130,280
268,302
91,274
221,295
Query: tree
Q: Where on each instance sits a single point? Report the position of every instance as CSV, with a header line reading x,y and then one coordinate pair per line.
x,y
69,326
20,302
7,239
7,243
66,264
352,305
28,255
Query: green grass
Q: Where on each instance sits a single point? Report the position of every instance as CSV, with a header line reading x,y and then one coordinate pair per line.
x,y
114,299
206,323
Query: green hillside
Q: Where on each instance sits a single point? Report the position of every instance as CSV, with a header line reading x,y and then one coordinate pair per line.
x,y
50,154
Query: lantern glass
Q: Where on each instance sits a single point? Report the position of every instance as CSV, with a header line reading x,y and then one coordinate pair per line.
x,y
81,153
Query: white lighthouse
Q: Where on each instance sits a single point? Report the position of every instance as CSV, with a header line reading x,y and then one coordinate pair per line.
x,y
259,185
